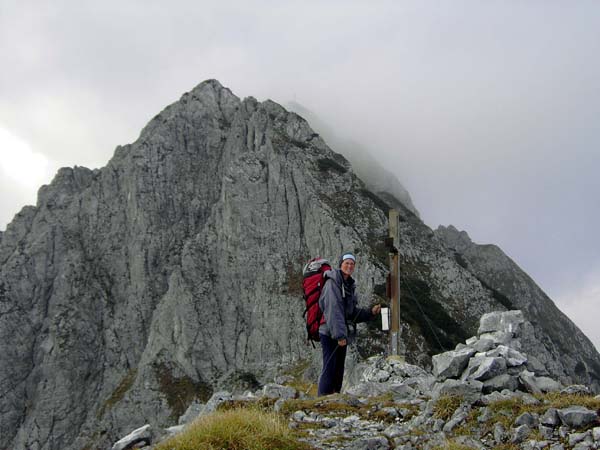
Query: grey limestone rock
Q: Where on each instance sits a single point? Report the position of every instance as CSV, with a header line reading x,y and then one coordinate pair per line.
x,y
503,321
576,438
191,413
498,396
402,391
577,416
366,389
405,370
500,337
520,433
136,437
500,434
550,418
469,442
394,431
472,340
489,367
532,444
513,357
576,389
500,382
451,364
538,385
273,390
472,366
527,419
456,419
370,443
483,345
470,391
528,399
536,366
484,415
298,416
390,411
546,432
583,446
215,400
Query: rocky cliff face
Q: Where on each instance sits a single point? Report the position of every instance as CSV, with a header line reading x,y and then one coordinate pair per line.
x,y
128,292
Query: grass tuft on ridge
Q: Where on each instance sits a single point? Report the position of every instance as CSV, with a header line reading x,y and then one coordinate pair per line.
x,y
236,429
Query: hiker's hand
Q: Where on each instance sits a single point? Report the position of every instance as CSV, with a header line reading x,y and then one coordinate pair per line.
x,y
342,342
376,309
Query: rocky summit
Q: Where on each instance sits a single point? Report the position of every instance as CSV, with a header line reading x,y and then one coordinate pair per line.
x,y
131,292
491,398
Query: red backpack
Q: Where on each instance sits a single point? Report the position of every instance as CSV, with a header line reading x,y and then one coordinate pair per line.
x,y
312,284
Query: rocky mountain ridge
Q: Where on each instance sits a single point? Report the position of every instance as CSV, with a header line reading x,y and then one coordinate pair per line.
x,y
484,394
131,291
495,269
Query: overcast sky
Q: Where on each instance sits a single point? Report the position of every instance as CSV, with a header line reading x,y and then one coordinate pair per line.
x,y
487,112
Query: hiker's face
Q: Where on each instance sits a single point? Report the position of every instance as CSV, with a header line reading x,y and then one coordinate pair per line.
x,y
347,267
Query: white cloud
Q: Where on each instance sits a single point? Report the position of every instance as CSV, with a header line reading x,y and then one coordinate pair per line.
x,y
20,163
22,171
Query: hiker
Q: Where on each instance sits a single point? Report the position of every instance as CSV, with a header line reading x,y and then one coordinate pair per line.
x,y
340,311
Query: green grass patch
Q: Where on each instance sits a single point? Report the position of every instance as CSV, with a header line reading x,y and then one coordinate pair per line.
x,y
262,403
337,405
445,406
180,391
237,429
453,445
558,400
330,405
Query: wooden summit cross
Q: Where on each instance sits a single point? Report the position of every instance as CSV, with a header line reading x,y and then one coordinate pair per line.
x,y
393,244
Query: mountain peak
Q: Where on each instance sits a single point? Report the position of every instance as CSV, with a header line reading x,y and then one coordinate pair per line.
x,y
459,240
177,269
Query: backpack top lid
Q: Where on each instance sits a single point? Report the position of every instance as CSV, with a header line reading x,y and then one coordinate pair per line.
x,y
315,265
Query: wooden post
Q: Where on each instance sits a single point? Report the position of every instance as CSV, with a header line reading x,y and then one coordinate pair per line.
x,y
394,237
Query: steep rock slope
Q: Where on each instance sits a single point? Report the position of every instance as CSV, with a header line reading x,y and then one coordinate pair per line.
x,y
566,347
129,291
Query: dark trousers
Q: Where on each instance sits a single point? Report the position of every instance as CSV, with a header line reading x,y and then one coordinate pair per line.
x,y
333,366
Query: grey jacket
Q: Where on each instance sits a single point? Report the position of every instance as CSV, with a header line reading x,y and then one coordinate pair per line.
x,y
339,305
